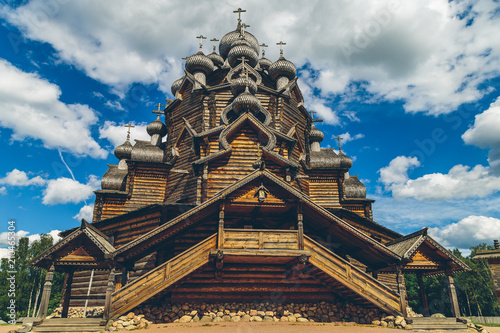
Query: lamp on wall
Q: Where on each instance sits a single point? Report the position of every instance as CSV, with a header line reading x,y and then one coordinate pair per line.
x,y
261,193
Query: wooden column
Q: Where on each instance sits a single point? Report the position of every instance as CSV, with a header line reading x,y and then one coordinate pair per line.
x,y
67,294
423,295
47,287
453,294
300,225
109,294
220,234
401,290
124,276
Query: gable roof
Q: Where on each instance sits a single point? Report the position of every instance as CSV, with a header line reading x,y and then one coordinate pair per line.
x,y
88,235
408,245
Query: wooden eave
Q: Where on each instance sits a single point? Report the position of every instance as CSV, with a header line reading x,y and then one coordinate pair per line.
x,y
372,250
365,221
487,254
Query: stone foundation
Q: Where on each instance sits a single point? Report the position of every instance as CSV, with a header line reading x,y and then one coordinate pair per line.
x,y
77,312
235,312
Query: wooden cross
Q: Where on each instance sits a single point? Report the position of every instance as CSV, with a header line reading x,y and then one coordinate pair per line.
x,y
201,37
242,30
239,11
281,46
159,111
129,125
263,45
242,59
339,138
311,112
214,40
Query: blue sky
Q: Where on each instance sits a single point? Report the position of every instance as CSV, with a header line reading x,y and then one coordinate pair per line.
x,y
412,87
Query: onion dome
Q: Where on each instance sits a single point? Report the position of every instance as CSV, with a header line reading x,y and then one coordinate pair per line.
x,y
216,59
345,162
238,86
282,67
124,151
265,63
199,63
229,38
354,188
316,135
157,127
246,101
176,86
242,48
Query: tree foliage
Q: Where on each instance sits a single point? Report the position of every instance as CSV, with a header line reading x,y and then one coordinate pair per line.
x,y
474,289
28,280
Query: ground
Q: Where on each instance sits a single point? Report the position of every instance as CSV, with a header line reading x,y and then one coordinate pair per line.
x,y
265,327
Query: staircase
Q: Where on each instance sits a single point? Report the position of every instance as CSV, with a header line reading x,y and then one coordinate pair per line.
x,y
70,325
351,278
430,323
160,278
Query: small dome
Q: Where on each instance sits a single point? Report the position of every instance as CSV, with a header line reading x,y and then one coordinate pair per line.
x,y
238,86
282,67
176,86
316,135
199,62
229,38
157,127
345,162
242,48
124,151
216,59
246,101
354,188
265,63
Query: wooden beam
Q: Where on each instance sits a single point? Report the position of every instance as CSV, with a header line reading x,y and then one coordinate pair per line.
x,y
300,225
220,234
47,287
401,290
67,294
108,303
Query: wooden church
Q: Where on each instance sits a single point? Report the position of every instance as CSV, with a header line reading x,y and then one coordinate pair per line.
x,y
234,199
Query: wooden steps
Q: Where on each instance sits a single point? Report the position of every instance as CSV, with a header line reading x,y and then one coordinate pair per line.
x,y
70,325
160,278
430,323
344,277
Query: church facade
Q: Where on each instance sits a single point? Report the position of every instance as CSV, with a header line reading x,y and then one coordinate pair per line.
x,y
233,199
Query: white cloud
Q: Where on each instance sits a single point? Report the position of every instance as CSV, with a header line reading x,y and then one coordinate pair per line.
x,y
3,190
459,183
433,55
116,134
5,238
86,212
485,133
30,106
64,190
397,170
20,178
468,232
346,137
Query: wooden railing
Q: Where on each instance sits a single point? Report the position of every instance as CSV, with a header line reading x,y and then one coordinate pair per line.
x,y
350,276
260,239
163,276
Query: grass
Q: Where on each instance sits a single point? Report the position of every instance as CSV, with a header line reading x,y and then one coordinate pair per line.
x,y
486,325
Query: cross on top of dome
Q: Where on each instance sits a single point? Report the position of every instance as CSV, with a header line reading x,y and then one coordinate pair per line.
x,y
280,43
129,125
263,45
201,37
214,40
239,11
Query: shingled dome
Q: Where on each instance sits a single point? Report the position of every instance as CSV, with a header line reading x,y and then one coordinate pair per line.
x,y
282,67
354,188
216,59
265,63
199,63
176,85
123,151
238,86
157,127
242,48
229,38
246,101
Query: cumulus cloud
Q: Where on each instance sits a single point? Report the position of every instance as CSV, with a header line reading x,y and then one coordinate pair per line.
x,y
459,183
3,190
433,55
65,190
468,232
5,239
485,133
20,178
30,106
86,212
116,134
